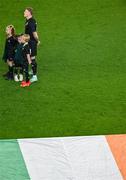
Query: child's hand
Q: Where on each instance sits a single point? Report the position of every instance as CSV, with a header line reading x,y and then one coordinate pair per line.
x,y
29,62
29,59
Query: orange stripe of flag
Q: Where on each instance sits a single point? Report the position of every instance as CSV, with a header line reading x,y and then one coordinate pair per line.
x,y
117,144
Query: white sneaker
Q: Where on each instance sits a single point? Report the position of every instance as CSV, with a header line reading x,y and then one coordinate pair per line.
x,y
16,78
20,77
31,72
33,79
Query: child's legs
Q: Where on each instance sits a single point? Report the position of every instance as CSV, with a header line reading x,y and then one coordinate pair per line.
x,y
25,67
16,69
10,67
21,69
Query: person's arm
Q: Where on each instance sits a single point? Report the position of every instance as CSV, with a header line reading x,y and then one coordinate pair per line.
x,y
33,27
35,34
29,58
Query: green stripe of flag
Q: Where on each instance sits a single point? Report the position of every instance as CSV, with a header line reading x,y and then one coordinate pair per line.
x,y
12,166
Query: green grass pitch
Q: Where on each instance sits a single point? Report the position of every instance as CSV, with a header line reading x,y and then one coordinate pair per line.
x,y
82,70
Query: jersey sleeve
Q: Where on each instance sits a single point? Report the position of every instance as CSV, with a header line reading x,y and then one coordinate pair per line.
x,y
32,26
27,50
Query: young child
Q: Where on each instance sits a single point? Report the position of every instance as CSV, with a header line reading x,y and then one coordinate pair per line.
x,y
18,60
9,49
26,59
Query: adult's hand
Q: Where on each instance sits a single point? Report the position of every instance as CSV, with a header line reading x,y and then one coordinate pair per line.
x,y
38,43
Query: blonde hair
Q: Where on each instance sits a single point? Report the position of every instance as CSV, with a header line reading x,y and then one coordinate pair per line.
x,y
12,29
26,37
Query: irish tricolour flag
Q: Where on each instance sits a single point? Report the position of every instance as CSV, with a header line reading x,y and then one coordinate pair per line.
x,y
68,158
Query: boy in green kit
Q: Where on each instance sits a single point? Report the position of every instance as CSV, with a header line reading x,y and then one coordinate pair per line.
x,y
18,61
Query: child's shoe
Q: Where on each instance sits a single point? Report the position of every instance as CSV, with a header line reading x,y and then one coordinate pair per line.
x,y
25,84
16,78
20,77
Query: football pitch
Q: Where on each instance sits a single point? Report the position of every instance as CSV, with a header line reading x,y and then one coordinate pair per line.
x,y
81,70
